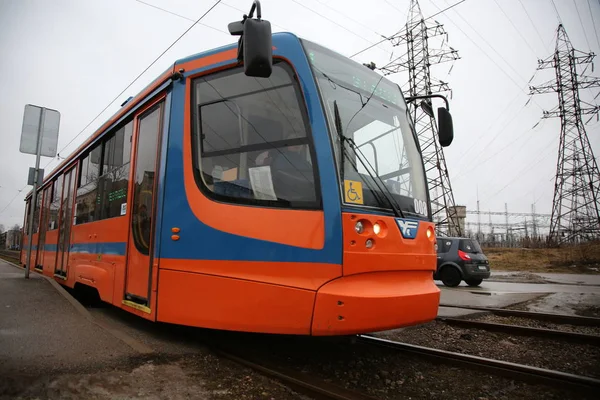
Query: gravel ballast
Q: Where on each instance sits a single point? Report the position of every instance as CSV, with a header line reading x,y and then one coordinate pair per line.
x,y
553,354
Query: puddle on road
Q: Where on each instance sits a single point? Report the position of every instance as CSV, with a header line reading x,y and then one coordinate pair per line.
x,y
564,303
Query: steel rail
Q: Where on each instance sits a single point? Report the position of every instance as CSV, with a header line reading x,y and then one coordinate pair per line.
x,y
311,386
511,370
556,318
10,254
524,330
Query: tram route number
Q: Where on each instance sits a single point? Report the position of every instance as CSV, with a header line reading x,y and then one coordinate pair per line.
x,y
420,207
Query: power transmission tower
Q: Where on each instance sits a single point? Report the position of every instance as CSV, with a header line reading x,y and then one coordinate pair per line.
x,y
417,61
576,208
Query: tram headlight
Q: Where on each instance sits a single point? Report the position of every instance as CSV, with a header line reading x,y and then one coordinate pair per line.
x,y
359,227
376,228
430,234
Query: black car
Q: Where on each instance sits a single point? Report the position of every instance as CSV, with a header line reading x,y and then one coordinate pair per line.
x,y
460,259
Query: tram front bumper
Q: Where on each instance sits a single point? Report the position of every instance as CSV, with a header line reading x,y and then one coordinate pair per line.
x,y
375,301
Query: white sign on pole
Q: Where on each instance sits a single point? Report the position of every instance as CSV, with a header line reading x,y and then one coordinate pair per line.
x,y
39,136
49,122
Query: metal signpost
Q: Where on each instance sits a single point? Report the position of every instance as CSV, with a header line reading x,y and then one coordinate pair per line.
x,y
39,136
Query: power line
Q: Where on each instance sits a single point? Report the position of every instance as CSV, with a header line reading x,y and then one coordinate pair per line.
x,y
394,7
181,16
142,73
445,9
13,199
487,55
337,24
489,45
582,27
244,12
593,22
400,31
494,123
123,91
488,157
557,14
521,174
532,191
514,26
533,25
349,18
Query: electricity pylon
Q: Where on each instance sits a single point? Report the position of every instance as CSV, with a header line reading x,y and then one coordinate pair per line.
x,y
576,209
417,61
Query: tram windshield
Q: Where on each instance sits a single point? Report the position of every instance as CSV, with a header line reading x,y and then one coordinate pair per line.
x,y
382,147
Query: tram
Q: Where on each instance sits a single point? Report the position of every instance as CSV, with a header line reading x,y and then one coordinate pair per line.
x,y
271,185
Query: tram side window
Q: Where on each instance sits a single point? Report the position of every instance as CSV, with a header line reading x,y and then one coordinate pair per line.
x,y
55,203
104,177
113,183
252,141
85,208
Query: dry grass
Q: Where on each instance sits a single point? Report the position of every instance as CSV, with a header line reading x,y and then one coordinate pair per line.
x,y
578,259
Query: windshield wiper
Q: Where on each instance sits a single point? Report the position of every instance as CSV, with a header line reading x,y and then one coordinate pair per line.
x,y
360,156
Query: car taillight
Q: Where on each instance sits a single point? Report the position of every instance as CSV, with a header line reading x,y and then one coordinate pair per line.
x,y
463,255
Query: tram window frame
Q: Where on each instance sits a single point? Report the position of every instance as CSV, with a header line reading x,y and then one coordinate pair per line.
x,y
111,165
240,194
104,152
55,200
88,184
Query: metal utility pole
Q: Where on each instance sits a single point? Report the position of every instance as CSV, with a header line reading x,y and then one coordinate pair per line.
x,y
417,61
576,208
478,222
534,227
39,136
507,226
33,201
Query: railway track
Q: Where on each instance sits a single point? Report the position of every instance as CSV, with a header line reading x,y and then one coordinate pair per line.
x,y
524,330
12,256
510,370
302,383
549,317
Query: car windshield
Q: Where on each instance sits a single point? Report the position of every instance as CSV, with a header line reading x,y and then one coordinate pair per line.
x,y
374,116
469,246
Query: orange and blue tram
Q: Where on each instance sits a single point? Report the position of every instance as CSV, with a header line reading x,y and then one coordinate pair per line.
x,y
295,203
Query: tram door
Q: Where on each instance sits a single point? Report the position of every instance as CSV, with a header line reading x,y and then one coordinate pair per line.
x,y
65,223
43,227
142,205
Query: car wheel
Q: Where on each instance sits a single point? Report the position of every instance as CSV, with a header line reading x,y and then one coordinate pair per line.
x,y
473,282
450,276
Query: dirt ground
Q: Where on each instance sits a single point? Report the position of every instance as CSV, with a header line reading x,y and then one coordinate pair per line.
x,y
581,259
194,376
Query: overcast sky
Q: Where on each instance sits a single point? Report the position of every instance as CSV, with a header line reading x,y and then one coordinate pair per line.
x,y
77,55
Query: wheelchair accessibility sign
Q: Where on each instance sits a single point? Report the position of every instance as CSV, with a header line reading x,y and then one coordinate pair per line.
x,y
353,192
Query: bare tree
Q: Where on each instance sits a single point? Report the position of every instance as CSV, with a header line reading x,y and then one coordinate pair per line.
x,y
1,228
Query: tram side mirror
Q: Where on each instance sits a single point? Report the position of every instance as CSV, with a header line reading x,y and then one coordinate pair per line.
x,y
445,127
258,48
255,47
